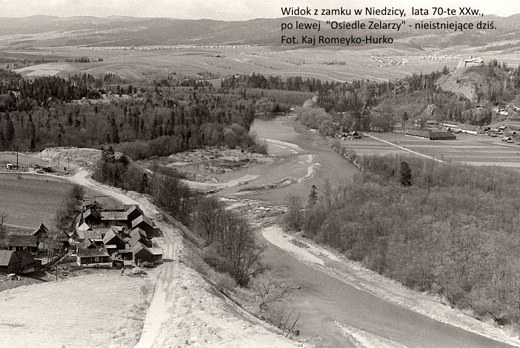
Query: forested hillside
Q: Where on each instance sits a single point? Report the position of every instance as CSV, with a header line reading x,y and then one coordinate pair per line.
x,y
369,105
161,118
86,111
450,230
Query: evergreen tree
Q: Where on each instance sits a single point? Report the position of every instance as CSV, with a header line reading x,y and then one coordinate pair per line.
x,y
406,174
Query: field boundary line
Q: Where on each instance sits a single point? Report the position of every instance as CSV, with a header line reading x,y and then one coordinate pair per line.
x,y
405,149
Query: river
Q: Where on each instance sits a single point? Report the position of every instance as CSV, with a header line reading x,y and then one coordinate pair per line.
x,y
334,312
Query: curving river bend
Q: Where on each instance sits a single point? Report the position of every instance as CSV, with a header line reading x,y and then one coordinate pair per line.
x,y
334,311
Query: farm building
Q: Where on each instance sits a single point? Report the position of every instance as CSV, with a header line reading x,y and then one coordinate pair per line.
x,y
18,242
90,216
111,238
27,262
133,212
137,235
473,130
9,263
431,135
81,231
17,262
114,217
93,256
41,232
92,205
96,235
112,235
146,256
146,225
86,244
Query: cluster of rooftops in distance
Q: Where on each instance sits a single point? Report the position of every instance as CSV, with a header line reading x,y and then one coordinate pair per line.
x,y
100,237
122,236
20,251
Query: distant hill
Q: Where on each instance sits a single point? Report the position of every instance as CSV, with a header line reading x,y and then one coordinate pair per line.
x,y
49,31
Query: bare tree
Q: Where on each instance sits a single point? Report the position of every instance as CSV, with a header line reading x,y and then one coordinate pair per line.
x,y
269,292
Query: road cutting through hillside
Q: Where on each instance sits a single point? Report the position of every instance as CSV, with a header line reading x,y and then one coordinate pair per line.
x,y
185,309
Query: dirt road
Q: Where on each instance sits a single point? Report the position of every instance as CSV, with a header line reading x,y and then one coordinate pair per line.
x,y
185,310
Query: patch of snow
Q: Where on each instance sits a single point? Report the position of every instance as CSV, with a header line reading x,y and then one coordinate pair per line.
x,y
366,339
275,235
295,148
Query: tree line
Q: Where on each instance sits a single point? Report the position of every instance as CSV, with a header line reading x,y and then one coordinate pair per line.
x,y
153,121
360,103
229,245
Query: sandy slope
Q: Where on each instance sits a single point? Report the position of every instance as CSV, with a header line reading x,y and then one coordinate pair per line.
x,y
97,310
185,309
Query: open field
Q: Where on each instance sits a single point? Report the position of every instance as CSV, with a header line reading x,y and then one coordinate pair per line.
x,y
333,64
326,63
30,200
24,161
466,149
96,310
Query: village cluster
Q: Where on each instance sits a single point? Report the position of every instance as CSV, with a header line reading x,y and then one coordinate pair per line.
x,y
100,238
434,130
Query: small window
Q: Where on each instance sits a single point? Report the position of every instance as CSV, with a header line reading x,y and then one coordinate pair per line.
x,y
96,259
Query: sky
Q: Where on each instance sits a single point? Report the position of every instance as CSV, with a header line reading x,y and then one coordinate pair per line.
x,y
225,9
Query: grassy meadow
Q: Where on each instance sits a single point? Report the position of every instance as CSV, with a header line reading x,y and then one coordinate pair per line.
x,y
29,200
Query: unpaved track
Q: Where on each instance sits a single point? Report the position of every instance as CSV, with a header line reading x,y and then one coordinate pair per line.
x,y
185,310
405,149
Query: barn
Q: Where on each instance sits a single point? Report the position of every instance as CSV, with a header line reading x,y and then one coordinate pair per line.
x,y
111,238
18,242
93,257
41,232
137,235
9,263
133,211
431,134
146,256
146,225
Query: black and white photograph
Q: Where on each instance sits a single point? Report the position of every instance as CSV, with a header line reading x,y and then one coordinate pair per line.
x,y
250,174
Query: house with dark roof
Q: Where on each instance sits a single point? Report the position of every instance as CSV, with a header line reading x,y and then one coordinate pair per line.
x,y
146,225
27,262
93,257
144,256
41,232
79,233
113,217
137,235
86,244
125,255
112,238
132,212
90,216
18,242
90,205
9,263
95,236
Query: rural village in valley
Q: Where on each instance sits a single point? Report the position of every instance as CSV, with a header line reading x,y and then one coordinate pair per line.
x,y
259,178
